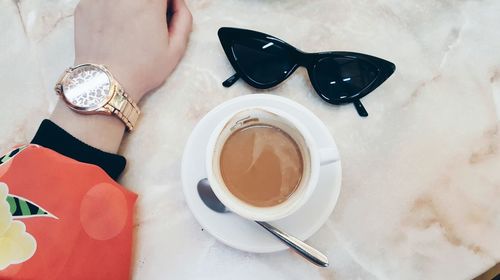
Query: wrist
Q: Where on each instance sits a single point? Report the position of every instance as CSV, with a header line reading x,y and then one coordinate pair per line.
x,y
99,131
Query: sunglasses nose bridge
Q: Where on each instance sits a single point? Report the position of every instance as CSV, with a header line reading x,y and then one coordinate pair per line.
x,y
302,58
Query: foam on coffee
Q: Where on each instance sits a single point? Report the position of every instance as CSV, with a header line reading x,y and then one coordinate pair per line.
x,y
261,165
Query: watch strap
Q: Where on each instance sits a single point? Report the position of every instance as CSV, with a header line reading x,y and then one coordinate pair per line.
x,y
124,108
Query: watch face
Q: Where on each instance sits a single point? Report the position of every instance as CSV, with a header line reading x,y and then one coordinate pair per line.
x,y
86,87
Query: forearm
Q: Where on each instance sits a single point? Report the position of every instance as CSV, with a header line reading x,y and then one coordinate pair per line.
x,y
99,131
152,49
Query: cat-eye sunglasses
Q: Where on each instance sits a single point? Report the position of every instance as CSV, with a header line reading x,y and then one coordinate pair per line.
x,y
264,61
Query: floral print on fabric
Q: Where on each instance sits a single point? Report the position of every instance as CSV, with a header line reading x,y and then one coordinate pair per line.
x,y
16,245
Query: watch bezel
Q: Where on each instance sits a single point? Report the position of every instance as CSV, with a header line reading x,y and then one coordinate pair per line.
x,y
92,109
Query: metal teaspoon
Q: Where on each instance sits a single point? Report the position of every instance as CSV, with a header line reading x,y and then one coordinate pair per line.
x,y
211,201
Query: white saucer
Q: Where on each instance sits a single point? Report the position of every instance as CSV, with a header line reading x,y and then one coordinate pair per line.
x,y
234,230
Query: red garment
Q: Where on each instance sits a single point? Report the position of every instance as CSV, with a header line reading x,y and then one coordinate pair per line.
x,y
79,218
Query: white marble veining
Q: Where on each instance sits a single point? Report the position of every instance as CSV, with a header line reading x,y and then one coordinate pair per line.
x,y
421,174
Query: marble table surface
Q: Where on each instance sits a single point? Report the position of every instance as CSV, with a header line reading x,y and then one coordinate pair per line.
x,y
421,174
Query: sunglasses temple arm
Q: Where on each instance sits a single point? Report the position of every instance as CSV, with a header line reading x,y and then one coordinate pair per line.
x,y
360,108
231,80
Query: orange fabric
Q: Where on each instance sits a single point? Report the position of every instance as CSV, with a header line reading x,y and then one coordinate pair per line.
x,y
88,234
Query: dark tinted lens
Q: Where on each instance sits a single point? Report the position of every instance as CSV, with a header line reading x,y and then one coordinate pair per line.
x,y
263,61
343,77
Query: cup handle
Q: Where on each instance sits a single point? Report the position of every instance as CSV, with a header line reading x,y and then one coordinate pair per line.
x,y
328,155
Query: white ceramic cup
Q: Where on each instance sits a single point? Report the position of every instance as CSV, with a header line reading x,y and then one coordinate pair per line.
x,y
312,155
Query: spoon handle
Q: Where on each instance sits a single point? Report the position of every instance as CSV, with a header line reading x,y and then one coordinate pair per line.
x,y
300,247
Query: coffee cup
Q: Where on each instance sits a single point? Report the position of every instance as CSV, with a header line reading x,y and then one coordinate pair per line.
x,y
312,158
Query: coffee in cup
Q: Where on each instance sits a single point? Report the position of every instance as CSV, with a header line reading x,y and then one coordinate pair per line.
x,y
263,163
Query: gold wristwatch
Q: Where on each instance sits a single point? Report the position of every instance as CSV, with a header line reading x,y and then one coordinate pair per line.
x,y
91,89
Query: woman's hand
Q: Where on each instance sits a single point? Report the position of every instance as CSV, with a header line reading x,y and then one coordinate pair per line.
x,y
138,45
133,39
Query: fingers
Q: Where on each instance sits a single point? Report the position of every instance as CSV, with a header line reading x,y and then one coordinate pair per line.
x,y
179,26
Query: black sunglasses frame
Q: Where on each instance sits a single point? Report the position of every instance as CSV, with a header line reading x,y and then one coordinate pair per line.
x,y
228,36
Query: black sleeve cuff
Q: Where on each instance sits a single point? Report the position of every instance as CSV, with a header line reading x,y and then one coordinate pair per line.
x,y
53,137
